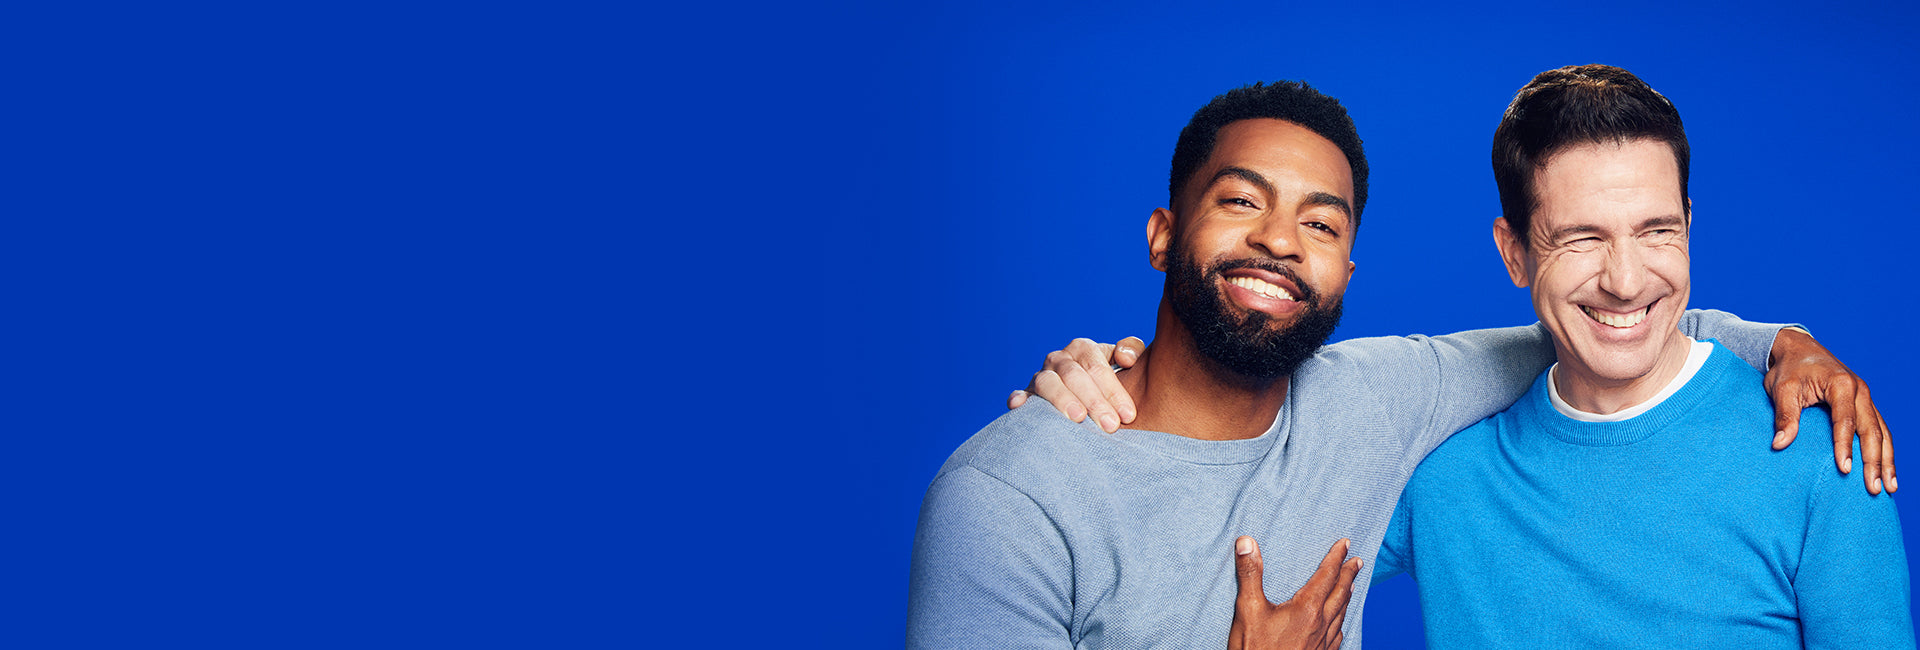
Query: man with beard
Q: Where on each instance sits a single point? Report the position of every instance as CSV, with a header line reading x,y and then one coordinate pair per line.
x,y
1039,532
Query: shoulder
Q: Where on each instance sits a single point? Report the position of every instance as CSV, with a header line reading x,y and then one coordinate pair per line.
x,y
1375,349
1034,445
1366,361
1811,454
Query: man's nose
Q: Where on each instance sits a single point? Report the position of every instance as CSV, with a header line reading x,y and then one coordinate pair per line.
x,y
1278,237
1626,273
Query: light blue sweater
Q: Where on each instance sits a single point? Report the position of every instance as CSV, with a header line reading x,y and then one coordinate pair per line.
x,y
1042,533
1678,528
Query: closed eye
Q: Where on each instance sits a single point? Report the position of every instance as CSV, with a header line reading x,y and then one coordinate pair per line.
x,y
1584,243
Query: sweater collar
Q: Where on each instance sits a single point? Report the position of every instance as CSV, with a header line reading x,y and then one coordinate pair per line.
x,y
1695,391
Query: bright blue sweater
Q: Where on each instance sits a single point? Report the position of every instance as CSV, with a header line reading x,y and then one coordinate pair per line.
x,y
1678,528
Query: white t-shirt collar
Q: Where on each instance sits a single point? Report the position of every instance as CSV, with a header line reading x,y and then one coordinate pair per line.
x,y
1697,354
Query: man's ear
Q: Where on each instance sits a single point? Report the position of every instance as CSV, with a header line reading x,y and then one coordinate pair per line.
x,y
1159,237
1512,251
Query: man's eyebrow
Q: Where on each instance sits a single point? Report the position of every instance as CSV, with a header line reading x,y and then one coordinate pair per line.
x,y
1332,201
1244,174
1672,220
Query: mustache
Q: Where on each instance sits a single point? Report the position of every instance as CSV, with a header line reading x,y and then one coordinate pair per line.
x,y
1307,293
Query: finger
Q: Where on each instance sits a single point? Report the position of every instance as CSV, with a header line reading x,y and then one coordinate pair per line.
x,y
1336,602
1335,641
1886,457
1128,351
1334,610
1016,399
1096,359
1840,403
1871,441
1246,564
1786,415
1321,583
1048,386
1114,393
1088,391
1089,353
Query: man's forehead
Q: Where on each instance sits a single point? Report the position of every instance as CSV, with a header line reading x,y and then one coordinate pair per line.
x,y
1273,146
1604,179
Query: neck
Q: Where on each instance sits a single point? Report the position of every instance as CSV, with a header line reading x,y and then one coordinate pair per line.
x,y
1585,390
1180,391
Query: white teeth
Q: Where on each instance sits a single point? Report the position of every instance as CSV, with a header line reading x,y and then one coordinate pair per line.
x,y
1261,287
1623,322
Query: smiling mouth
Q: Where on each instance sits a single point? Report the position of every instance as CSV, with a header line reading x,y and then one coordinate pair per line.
x,y
1617,321
1261,287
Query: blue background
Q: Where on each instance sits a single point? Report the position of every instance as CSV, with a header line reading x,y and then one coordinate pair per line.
x,y
644,326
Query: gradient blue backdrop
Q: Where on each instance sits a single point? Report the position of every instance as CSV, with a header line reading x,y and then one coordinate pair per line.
x,y
595,325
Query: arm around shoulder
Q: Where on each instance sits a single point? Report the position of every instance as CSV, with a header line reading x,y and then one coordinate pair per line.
x,y
1752,342
1441,384
990,569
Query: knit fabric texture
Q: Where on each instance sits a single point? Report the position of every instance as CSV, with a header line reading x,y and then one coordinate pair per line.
x,y
1042,533
1678,528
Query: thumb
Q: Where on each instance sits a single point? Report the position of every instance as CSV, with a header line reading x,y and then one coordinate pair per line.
x,y
1246,561
1128,350
1786,418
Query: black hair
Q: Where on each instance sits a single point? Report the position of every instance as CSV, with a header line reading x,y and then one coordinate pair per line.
x,y
1292,101
1574,105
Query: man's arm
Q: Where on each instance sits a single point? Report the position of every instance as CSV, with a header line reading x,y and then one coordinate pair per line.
x,y
989,569
1476,373
1852,588
1482,372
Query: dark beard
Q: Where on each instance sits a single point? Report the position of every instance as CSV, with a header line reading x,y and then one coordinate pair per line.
x,y
1245,346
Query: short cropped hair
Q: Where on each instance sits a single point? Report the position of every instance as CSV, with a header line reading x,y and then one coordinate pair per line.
x,y
1293,101
1571,106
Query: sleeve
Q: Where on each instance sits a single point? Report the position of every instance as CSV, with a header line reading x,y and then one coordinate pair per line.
x,y
1461,379
1396,550
1753,342
990,569
1851,586
1477,373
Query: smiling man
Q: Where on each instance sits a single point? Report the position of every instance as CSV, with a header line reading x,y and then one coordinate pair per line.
x,y
1039,532
1619,503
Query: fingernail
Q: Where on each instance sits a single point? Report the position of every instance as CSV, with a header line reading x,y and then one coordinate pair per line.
x,y
1893,483
1109,423
1846,465
1778,436
1242,546
1879,486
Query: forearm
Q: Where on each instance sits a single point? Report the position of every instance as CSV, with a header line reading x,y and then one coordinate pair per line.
x,y
1752,342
